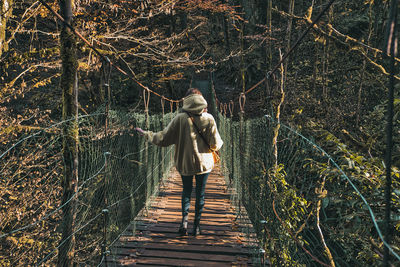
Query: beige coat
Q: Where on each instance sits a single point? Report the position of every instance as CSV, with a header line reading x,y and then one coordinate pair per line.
x,y
192,155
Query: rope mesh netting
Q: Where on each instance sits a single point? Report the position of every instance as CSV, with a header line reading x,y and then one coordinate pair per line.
x,y
302,207
118,174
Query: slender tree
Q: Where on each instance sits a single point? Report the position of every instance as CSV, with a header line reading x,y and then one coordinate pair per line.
x,y
5,14
69,89
391,50
289,33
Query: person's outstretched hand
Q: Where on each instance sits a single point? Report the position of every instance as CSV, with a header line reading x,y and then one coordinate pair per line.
x,y
139,130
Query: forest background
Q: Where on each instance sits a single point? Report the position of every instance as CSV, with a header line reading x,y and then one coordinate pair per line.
x,y
335,82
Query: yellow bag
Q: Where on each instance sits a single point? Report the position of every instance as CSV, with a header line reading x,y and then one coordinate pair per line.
x,y
216,157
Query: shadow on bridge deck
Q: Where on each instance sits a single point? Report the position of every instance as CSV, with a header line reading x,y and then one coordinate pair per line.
x,y
153,239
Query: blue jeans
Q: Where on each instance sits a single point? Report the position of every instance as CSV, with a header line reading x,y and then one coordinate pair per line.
x,y
201,180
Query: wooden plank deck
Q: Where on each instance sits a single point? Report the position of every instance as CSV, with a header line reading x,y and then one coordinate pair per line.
x,y
153,239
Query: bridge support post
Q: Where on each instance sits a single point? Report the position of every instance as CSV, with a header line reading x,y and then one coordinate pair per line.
x,y
241,192
147,168
106,73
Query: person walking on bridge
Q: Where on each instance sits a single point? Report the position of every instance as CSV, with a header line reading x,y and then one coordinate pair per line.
x,y
194,133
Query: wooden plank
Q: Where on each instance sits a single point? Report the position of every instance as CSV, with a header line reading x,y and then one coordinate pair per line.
x,y
157,229
154,261
203,215
175,255
189,248
233,239
177,202
210,220
206,210
208,205
204,240
175,225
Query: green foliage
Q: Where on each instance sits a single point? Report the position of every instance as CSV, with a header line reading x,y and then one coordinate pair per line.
x,y
292,210
374,128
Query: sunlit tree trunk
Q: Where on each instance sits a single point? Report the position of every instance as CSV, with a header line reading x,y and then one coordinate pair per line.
x,y
5,14
69,89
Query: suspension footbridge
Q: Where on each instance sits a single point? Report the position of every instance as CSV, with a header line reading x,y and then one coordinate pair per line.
x,y
276,202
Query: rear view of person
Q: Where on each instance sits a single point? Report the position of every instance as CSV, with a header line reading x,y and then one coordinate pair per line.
x,y
193,132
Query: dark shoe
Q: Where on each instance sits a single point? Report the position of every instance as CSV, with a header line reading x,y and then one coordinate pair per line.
x,y
183,227
182,230
196,230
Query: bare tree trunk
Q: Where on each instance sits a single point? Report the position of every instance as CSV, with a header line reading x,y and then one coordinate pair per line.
x,y
242,63
226,35
325,66
269,25
391,37
315,72
69,181
359,95
325,61
378,7
362,75
289,33
5,14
